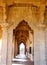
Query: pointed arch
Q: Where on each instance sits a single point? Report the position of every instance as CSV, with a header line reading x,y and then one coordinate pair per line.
x,y
21,33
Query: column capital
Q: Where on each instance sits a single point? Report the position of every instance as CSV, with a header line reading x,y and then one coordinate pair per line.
x,y
4,25
41,26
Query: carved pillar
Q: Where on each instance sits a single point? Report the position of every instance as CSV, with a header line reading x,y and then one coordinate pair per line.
x,y
39,46
10,46
42,46
4,45
36,48
46,44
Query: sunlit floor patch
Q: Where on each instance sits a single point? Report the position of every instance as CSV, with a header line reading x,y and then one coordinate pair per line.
x,y
19,60
22,56
17,64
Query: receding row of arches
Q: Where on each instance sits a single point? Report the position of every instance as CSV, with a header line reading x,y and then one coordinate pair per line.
x,y
22,48
23,39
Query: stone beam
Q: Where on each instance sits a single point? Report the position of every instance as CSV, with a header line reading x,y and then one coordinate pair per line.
x,y
11,2
23,5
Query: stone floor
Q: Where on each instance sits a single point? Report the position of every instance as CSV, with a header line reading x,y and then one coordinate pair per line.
x,y
22,60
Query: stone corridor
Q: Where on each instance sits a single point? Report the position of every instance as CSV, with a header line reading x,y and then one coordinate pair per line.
x,y
22,60
23,22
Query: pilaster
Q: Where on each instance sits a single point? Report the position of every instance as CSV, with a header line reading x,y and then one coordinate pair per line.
x,y
39,45
4,44
42,47
10,46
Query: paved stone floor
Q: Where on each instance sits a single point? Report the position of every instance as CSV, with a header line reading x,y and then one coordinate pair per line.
x,y
21,60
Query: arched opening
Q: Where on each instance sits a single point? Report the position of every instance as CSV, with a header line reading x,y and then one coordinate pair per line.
x,y
22,48
23,40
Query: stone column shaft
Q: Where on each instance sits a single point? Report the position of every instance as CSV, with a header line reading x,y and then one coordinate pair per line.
x,y
42,47
39,47
4,47
36,48
10,47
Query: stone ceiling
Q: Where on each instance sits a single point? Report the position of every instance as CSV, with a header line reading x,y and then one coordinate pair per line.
x,y
12,11
9,8
37,2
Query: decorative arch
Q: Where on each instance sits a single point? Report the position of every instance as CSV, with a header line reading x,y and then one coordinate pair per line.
x,y
19,45
21,33
19,48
